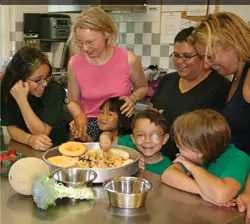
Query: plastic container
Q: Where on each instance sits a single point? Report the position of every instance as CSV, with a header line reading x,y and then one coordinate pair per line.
x,y
6,164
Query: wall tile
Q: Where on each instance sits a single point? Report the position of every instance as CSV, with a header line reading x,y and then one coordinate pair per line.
x,y
164,62
138,38
155,50
147,38
155,27
122,27
138,27
164,51
147,27
130,47
146,61
146,50
155,60
156,39
138,49
130,38
130,27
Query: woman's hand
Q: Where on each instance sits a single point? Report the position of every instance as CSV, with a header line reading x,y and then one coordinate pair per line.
x,y
81,132
128,107
141,164
40,142
20,90
81,124
105,141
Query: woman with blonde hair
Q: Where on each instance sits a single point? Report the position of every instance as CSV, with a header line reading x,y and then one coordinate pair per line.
x,y
223,39
100,70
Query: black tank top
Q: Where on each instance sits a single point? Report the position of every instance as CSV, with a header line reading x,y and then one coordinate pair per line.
x,y
237,113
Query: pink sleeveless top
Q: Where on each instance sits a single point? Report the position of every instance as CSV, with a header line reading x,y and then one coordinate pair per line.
x,y
100,82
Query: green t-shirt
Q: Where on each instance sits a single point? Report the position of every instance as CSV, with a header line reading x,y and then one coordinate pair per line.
x,y
126,141
157,168
233,163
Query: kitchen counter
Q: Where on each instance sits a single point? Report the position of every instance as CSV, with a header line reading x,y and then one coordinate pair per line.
x,y
163,205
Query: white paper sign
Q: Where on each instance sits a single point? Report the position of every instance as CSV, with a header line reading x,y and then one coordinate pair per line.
x,y
170,26
196,10
185,23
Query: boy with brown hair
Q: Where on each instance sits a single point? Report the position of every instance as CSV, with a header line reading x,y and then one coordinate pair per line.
x,y
149,133
218,169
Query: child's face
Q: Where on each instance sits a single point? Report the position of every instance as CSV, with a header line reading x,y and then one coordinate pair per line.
x,y
148,137
191,154
107,120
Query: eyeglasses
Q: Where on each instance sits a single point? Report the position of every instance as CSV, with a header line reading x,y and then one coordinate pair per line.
x,y
184,57
42,80
154,137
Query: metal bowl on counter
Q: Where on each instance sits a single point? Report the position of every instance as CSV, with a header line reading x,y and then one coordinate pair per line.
x,y
103,173
127,192
75,177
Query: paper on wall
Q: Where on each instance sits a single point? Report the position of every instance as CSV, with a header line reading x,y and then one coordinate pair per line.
x,y
174,8
196,10
185,23
170,26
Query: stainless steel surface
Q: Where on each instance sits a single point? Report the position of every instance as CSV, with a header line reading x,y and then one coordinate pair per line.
x,y
127,192
163,205
103,174
75,177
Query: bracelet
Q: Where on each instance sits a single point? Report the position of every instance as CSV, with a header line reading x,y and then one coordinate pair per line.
x,y
136,98
29,139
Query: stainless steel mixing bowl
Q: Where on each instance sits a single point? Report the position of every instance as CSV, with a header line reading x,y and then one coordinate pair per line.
x,y
103,173
127,192
75,177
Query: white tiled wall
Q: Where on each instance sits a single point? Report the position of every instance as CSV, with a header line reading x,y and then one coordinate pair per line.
x,y
137,32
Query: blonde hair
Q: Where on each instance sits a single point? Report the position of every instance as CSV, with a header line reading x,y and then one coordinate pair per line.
x,y
204,130
225,29
96,19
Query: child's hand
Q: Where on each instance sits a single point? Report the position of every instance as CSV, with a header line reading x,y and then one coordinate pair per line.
x,y
105,141
141,164
185,162
20,90
40,142
228,204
